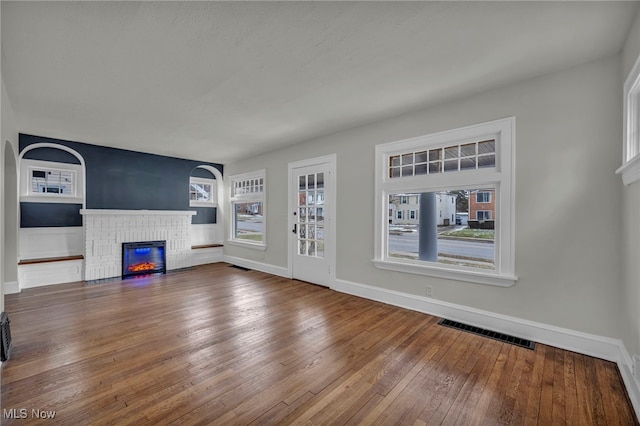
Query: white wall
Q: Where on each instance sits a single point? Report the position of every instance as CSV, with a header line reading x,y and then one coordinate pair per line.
x,y
630,289
8,197
568,134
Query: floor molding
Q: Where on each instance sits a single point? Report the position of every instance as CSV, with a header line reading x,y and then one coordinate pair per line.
x,y
630,382
11,287
258,266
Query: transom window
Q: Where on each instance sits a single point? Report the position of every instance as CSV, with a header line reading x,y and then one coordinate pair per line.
x,y
248,186
452,158
466,172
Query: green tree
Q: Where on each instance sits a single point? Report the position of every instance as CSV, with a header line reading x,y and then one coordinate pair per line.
x,y
462,201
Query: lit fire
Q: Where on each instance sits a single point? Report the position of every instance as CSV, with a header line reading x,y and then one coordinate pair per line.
x,y
140,267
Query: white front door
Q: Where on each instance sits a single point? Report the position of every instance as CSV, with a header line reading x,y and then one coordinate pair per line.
x,y
311,220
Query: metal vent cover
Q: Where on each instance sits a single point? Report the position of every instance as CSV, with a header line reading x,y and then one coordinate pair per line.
x,y
518,341
242,268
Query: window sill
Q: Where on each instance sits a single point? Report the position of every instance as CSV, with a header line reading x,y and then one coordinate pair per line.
x,y
459,275
630,171
255,246
202,204
55,199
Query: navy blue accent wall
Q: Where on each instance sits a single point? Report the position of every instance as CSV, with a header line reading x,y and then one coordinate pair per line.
x,y
205,215
52,154
38,215
202,173
128,180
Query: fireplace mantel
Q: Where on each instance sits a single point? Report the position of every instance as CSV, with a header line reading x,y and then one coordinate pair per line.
x,y
88,212
106,230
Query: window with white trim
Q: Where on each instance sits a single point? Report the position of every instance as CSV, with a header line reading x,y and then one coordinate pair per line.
x,y
202,192
50,182
475,161
248,213
630,169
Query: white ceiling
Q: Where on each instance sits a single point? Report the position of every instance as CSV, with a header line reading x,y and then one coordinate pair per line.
x,y
222,81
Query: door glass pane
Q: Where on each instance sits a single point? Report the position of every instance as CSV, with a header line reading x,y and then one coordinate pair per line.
x,y
310,194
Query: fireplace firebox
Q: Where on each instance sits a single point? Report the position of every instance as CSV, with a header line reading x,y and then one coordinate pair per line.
x,y
143,258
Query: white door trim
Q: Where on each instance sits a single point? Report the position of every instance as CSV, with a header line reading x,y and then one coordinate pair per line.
x,y
330,246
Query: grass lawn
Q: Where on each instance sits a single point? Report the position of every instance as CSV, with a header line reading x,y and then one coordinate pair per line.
x,y
252,237
487,234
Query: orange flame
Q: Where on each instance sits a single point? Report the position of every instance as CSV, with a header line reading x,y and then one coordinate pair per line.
x,y
139,267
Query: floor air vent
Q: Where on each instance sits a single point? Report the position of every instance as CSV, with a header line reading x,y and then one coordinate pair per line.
x,y
242,268
5,333
524,343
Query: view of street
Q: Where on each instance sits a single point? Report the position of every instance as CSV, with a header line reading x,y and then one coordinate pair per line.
x,y
472,251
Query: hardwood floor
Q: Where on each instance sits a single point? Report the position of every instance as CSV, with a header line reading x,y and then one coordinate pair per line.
x,y
218,345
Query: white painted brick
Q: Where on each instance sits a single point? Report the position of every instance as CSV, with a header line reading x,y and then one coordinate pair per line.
x,y
104,235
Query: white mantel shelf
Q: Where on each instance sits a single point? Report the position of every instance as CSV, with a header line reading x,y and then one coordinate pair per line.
x,y
87,212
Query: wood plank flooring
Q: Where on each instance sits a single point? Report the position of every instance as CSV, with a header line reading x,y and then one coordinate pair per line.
x,y
218,345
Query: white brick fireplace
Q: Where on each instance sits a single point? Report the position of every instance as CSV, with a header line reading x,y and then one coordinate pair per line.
x,y
106,230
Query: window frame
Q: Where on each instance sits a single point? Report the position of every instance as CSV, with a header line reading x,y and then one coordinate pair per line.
x,y
501,178
28,166
630,169
213,196
486,215
248,197
483,192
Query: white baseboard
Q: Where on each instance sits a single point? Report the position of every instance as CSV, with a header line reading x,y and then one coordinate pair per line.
x,y
41,274
11,287
630,382
258,266
575,341
206,255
